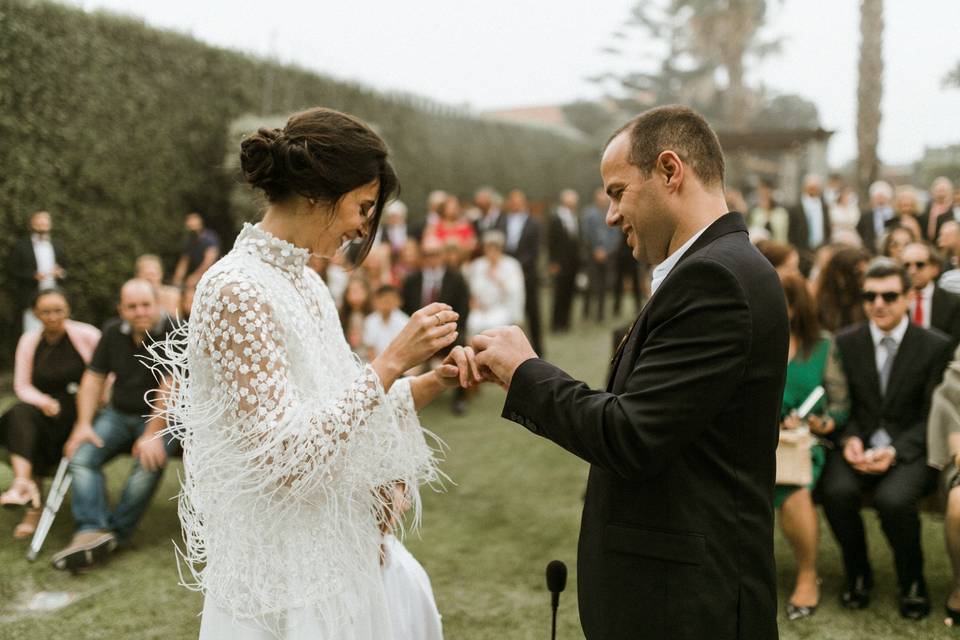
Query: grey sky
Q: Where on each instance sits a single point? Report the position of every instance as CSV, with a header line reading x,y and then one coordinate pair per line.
x,y
527,52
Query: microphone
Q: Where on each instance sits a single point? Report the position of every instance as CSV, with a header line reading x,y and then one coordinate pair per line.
x,y
556,582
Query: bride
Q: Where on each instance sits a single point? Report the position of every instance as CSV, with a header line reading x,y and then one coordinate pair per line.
x,y
296,457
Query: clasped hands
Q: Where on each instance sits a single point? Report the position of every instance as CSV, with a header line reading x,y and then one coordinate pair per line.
x,y
491,356
871,461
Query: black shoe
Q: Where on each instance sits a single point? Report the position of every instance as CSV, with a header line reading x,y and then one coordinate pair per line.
x,y
857,595
914,601
796,612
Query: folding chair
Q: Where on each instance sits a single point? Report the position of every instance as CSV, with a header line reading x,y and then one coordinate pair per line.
x,y
58,489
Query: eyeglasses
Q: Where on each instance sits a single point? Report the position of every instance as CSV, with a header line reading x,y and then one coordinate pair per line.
x,y
920,264
888,296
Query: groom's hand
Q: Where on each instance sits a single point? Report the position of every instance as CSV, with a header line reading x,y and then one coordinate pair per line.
x,y
459,368
500,351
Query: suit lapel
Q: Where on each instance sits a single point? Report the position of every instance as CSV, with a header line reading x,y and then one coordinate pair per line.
x,y
870,361
900,362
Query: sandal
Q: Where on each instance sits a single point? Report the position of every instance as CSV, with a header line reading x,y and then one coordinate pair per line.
x,y
28,526
23,491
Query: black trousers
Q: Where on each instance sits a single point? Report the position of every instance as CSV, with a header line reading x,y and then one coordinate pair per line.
x,y
564,287
896,495
598,283
26,432
532,309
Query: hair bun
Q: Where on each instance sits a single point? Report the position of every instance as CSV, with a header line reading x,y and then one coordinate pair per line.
x,y
258,160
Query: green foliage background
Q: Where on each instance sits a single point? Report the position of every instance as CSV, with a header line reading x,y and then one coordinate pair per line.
x,y
119,129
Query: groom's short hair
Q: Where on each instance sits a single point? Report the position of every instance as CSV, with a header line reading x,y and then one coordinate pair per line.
x,y
679,129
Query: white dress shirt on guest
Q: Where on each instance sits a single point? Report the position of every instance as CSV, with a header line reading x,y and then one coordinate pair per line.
x,y
46,261
498,294
378,333
813,210
662,270
515,222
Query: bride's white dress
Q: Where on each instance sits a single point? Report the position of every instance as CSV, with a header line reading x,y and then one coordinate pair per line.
x,y
288,441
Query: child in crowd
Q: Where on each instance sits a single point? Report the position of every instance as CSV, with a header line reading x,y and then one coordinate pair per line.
x,y
386,321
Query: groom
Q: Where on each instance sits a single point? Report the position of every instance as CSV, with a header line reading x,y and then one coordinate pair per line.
x,y
676,539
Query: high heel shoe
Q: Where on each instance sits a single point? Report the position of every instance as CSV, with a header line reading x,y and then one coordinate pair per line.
x,y
797,612
22,492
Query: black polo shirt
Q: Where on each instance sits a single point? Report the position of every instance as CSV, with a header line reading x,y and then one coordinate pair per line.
x,y
116,353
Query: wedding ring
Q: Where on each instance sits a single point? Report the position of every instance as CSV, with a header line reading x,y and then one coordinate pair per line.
x,y
439,321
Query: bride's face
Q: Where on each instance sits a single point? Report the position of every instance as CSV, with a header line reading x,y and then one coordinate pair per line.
x,y
349,220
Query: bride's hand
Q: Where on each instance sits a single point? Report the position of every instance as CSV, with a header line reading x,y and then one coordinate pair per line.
x,y
459,368
428,331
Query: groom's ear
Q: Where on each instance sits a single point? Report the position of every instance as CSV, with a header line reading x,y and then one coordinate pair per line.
x,y
669,170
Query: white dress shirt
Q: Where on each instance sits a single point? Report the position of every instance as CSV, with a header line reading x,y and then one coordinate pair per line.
x,y
379,333
813,210
568,219
46,260
878,334
432,280
662,270
927,297
515,222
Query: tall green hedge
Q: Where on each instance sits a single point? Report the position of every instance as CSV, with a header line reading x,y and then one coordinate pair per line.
x,y
119,129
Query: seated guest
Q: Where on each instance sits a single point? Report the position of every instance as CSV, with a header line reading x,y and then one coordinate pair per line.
x,y
496,287
150,268
386,321
892,367
813,362
200,250
930,306
128,424
943,454
837,290
357,305
451,226
48,368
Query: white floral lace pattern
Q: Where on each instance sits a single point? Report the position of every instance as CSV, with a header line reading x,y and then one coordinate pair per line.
x,y
287,439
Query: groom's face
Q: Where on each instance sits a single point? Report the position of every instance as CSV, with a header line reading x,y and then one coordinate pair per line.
x,y
634,207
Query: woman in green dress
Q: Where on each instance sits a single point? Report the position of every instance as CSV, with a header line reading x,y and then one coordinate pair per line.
x,y
813,362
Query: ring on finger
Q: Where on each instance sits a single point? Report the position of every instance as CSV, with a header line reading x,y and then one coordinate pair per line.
x,y
437,316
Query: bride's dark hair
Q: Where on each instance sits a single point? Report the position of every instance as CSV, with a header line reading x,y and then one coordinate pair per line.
x,y
320,154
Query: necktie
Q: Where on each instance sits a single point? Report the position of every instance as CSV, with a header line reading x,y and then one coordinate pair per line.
x,y
890,345
918,308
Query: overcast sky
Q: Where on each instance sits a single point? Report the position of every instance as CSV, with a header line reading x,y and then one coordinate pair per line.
x,y
499,53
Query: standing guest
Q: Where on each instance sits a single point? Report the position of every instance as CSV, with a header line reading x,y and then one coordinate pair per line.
x,y
35,264
948,241
939,209
435,200
496,287
845,218
768,216
563,240
893,367
906,208
676,538
601,243
128,424
783,257
838,289
810,223
451,226
812,362
357,305
149,267
49,365
434,282
522,233
896,238
875,220
930,306
408,261
200,250
394,231
488,202
386,322
833,188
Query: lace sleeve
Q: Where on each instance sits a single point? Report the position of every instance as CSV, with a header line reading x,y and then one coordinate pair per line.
x,y
283,438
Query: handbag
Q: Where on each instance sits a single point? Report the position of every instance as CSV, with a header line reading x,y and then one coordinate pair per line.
x,y
794,466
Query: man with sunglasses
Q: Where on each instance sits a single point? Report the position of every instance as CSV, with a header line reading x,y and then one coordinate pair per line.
x,y
893,366
930,306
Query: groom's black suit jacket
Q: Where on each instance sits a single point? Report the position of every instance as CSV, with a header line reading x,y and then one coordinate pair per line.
x,y
676,539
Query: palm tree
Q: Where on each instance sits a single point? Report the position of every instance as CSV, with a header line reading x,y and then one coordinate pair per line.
x,y
869,93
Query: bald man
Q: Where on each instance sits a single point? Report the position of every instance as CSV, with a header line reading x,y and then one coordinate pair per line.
x,y
127,424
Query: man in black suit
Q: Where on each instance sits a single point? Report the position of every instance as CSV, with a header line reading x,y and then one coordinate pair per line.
x,y
809,223
676,539
930,306
523,243
892,366
35,264
563,240
875,220
434,282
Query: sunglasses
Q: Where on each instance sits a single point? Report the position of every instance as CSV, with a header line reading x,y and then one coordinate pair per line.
x,y
888,296
919,265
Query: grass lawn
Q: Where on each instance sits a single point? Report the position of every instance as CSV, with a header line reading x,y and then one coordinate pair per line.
x,y
485,542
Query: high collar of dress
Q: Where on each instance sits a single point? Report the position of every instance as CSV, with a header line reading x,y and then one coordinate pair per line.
x,y
272,250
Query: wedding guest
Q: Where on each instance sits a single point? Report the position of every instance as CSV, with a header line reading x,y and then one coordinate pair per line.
x,y
394,231
35,264
949,243
875,220
49,364
838,289
435,200
563,241
601,243
896,238
128,424
930,305
357,305
845,217
813,362
150,268
488,203
385,323
906,208
768,216
200,250
783,257
939,208
376,266
522,232
496,287
408,261
810,223
452,227
892,367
